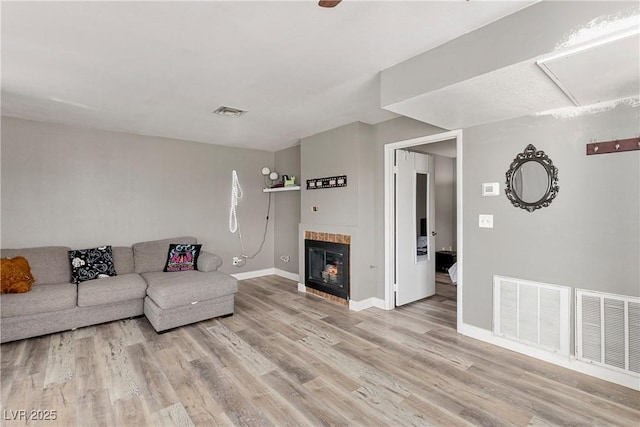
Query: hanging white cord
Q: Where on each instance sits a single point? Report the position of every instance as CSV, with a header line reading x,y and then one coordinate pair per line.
x,y
234,224
236,194
264,235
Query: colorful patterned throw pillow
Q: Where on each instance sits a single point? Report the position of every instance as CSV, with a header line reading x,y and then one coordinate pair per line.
x,y
182,257
89,264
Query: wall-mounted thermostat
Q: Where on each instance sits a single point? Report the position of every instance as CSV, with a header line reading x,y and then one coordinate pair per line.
x,y
490,188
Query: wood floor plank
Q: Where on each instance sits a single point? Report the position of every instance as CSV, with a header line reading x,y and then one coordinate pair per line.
x,y
173,415
117,375
341,401
155,389
12,354
280,357
200,406
61,359
250,357
127,332
35,355
95,409
287,358
87,331
313,409
239,410
24,396
90,366
61,399
381,381
279,409
131,412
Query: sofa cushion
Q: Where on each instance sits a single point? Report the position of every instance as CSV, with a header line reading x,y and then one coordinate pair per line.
x,y
123,259
49,264
170,290
16,275
40,299
182,257
111,289
208,261
152,256
90,264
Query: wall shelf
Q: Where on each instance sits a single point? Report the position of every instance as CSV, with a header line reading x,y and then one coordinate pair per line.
x,y
277,189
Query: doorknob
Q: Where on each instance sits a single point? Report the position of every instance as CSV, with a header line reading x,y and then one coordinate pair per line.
x,y
433,233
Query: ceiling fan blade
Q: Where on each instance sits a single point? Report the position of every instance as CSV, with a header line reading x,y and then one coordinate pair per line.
x,y
328,3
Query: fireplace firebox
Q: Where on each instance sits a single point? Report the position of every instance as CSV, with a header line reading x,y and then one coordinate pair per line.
x,y
327,267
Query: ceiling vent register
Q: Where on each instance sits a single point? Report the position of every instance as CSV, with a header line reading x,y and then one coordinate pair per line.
x,y
229,111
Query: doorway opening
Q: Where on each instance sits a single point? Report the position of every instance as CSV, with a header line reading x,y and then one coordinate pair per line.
x,y
447,233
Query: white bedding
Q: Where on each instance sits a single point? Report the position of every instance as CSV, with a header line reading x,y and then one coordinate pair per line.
x,y
453,273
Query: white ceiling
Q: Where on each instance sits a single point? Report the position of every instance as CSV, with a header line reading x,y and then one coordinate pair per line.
x,y
160,68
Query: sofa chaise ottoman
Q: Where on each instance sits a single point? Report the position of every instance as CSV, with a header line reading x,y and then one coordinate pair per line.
x,y
181,297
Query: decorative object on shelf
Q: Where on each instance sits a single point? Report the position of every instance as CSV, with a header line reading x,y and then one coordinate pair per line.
x,y
615,146
532,180
331,182
289,180
270,178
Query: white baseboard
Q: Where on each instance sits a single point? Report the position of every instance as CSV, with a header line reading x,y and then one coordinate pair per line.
x,y
253,274
366,303
287,275
564,361
302,287
266,272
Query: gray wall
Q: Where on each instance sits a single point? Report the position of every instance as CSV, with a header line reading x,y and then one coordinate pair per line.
x,y
287,212
331,153
446,218
587,238
81,188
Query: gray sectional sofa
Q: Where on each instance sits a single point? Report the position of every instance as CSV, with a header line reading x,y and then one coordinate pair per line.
x,y
168,299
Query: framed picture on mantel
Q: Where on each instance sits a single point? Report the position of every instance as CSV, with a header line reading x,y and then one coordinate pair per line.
x,y
330,182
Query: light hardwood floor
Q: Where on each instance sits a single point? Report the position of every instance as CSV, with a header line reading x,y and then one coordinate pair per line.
x,y
290,359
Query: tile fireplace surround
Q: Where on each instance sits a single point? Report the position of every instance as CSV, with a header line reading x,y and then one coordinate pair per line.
x,y
327,237
331,238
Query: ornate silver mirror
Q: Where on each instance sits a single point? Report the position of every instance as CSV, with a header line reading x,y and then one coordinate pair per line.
x,y
532,180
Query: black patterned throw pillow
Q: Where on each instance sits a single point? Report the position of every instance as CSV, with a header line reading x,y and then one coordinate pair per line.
x,y
182,257
89,264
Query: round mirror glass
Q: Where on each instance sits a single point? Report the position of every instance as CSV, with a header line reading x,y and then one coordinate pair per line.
x,y
530,181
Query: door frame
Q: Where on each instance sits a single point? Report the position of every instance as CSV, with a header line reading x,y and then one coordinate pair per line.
x,y
389,214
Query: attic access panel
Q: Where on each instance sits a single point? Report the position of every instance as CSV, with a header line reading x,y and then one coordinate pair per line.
x,y
597,73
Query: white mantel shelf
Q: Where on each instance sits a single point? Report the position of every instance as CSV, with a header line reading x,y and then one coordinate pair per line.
x,y
274,190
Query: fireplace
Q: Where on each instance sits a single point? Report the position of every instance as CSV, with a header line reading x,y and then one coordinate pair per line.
x,y
327,267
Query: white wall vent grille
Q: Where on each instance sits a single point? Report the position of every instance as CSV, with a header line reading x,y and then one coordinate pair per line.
x,y
533,313
608,330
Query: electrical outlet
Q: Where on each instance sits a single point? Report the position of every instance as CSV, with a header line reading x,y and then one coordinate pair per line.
x,y
236,260
485,221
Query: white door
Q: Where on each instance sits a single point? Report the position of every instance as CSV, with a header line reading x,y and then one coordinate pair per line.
x,y
415,221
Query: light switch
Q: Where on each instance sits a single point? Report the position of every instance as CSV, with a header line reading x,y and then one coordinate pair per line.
x,y
485,221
